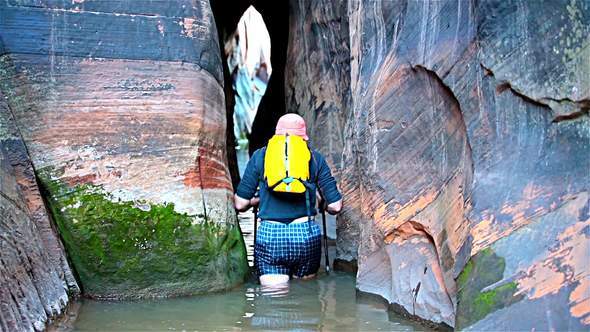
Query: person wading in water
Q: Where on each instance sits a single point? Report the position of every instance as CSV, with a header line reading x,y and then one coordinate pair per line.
x,y
287,175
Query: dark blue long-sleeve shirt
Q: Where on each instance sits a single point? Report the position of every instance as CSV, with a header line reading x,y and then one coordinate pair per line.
x,y
285,207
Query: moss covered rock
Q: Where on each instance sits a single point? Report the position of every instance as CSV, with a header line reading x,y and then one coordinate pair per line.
x,y
123,249
475,300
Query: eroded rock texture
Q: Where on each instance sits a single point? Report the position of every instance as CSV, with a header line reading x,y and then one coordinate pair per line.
x,y
318,88
121,107
412,191
531,123
35,277
465,155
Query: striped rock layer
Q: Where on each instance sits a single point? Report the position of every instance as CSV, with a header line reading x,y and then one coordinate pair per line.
x,y
462,152
121,108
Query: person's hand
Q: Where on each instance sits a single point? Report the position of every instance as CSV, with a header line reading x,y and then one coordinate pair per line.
x,y
334,208
241,204
255,201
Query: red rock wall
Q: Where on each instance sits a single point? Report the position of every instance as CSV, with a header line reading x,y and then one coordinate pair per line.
x,y
415,178
465,154
121,107
135,127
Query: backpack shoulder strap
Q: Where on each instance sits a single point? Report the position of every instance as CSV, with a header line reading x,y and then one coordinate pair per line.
x,y
263,152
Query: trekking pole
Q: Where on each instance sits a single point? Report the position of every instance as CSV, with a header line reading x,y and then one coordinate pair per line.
x,y
323,210
255,210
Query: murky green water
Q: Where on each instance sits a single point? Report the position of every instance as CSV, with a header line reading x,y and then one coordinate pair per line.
x,y
328,303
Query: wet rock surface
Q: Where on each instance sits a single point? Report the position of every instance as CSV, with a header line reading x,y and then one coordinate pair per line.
x,y
464,141
35,277
121,107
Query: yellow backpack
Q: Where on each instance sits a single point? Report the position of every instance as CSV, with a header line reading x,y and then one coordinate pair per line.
x,y
286,164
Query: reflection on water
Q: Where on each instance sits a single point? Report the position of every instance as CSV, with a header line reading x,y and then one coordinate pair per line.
x,y
328,303
246,220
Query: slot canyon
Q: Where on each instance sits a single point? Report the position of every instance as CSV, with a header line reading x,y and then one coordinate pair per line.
x,y
458,132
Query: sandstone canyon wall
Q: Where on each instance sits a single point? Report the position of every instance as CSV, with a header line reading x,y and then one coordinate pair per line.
x,y
317,86
463,152
458,131
121,107
34,273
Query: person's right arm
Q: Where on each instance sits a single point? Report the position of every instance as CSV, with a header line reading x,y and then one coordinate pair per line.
x,y
328,187
244,197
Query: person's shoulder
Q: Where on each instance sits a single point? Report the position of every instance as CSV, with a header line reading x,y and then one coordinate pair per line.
x,y
259,152
317,154
258,155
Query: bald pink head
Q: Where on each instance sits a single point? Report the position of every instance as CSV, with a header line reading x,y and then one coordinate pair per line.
x,y
292,124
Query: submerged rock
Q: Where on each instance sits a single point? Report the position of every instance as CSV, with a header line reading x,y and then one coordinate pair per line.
x,y
133,249
122,111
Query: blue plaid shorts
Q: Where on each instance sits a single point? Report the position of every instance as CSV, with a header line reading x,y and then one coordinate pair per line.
x,y
293,249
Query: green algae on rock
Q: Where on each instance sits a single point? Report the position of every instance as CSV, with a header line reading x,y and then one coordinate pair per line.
x,y
139,250
483,269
